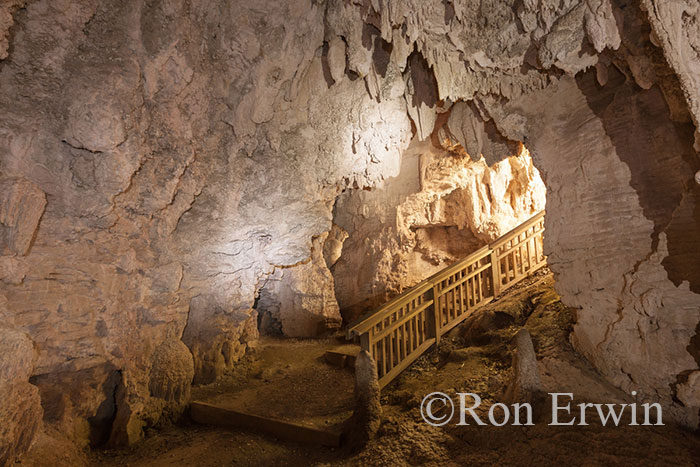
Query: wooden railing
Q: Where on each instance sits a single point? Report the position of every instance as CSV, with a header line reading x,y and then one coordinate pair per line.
x,y
401,330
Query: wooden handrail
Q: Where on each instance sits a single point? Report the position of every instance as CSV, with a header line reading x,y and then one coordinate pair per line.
x,y
401,330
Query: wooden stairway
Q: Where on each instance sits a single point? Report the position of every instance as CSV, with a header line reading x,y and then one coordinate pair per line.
x,y
305,400
403,329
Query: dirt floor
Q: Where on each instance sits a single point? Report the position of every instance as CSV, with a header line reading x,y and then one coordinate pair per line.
x,y
288,379
475,357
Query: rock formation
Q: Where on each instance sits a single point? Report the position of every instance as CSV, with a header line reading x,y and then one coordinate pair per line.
x,y
165,164
367,415
20,408
525,384
441,207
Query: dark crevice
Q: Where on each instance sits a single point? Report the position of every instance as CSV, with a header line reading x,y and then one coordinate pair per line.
x,y
425,89
381,56
369,32
101,423
449,12
325,66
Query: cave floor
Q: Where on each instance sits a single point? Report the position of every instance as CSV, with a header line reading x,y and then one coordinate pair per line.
x,y
465,361
287,379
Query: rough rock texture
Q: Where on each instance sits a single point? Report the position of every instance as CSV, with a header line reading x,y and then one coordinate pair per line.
x,y
300,301
676,28
526,377
20,408
160,160
441,207
21,207
170,382
635,323
367,416
186,151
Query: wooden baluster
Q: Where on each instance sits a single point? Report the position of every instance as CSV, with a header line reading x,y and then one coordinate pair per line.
x,y
404,335
495,273
366,344
380,358
521,269
444,305
416,324
454,301
433,322
412,332
478,283
472,296
404,339
421,327
409,330
406,351
399,339
389,356
468,283
395,348
461,297
399,344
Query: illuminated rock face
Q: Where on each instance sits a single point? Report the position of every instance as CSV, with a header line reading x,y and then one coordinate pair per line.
x,y
441,207
300,301
164,164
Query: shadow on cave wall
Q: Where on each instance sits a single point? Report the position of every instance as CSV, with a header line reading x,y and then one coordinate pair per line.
x,y
662,162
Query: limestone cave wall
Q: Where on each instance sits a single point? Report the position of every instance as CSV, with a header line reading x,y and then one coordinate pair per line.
x,y
170,168
441,207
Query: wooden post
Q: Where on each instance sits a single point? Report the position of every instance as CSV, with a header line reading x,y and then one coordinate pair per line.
x,y
365,344
495,274
434,321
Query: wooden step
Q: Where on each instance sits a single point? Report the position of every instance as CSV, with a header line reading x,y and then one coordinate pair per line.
x,y
210,414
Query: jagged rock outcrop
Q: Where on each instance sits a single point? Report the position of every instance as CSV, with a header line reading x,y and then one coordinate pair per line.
x,y
635,323
441,207
676,28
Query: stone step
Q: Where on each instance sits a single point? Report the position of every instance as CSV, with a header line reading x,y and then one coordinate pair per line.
x,y
212,414
341,358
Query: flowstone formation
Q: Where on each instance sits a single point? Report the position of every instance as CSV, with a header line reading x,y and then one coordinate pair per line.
x,y
165,164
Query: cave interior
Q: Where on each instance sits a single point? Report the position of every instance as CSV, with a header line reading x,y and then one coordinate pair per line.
x,y
198,201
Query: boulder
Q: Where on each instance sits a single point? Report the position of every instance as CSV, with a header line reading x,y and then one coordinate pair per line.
x,y
171,376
